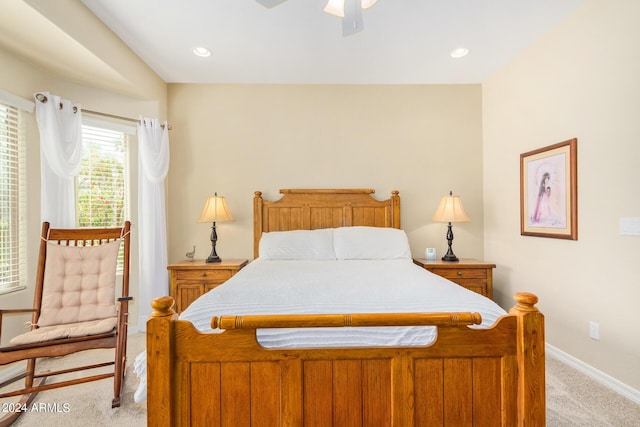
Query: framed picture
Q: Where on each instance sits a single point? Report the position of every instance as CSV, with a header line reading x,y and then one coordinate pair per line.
x,y
549,191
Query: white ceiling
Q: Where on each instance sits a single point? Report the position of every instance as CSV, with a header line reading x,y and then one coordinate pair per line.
x,y
403,42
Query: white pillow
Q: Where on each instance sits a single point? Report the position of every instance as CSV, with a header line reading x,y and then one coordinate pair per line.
x,y
297,245
371,243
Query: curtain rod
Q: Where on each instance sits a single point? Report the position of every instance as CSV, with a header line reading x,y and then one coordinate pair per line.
x,y
42,98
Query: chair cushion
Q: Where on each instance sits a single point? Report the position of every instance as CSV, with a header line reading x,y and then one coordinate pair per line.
x,y
69,330
79,283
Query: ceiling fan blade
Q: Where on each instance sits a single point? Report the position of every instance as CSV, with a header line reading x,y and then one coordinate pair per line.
x,y
352,22
270,3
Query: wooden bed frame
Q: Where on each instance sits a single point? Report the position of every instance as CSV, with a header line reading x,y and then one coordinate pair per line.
x,y
468,377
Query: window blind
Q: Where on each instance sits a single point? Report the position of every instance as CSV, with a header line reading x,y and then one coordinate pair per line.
x,y
102,186
101,183
13,229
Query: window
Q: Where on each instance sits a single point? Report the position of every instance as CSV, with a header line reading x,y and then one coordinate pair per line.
x,y
13,227
102,184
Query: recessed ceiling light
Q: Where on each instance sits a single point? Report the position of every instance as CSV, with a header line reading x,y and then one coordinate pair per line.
x,y
202,51
459,52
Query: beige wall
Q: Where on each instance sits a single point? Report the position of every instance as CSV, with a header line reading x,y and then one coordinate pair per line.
x,y
24,78
581,80
236,139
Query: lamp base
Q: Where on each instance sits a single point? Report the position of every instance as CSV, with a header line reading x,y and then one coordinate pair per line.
x,y
450,257
213,257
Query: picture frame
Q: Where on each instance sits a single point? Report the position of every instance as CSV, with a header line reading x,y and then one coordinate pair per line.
x,y
549,191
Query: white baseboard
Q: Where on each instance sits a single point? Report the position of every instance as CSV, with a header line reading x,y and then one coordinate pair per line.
x,y
599,376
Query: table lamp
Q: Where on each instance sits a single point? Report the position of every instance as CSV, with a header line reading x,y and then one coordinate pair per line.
x,y
215,210
450,210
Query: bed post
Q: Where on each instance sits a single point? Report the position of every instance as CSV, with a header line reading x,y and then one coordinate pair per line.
x,y
395,209
531,361
159,361
257,221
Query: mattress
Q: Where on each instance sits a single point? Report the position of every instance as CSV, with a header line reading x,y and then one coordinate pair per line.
x,y
334,286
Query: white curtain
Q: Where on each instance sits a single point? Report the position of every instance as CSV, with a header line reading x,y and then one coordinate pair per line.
x,y
61,155
153,165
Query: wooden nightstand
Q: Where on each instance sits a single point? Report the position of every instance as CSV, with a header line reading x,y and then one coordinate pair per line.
x,y
472,274
190,279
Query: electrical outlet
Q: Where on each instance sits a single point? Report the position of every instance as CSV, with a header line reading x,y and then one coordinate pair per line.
x,y
594,330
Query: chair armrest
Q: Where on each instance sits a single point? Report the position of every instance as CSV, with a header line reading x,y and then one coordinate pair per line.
x,y
16,310
122,304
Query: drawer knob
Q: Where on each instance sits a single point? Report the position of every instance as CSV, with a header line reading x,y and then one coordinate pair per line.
x,y
203,274
459,273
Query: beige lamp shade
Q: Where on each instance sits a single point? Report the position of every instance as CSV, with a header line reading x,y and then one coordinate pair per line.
x,y
450,210
215,210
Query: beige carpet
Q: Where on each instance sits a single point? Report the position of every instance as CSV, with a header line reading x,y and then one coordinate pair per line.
x,y
89,404
573,399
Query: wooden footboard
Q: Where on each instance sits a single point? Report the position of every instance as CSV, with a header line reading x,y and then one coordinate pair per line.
x,y
467,377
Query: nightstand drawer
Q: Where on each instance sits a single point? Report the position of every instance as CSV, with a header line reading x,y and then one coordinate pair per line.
x,y
460,273
478,287
188,280
200,275
477,276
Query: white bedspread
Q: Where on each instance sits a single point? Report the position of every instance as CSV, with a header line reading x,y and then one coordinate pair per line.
x,y
314,287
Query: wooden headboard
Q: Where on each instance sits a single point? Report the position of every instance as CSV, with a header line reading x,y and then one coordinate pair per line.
x,y
312,209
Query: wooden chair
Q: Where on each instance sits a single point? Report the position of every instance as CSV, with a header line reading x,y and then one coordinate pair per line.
x,y
74,309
